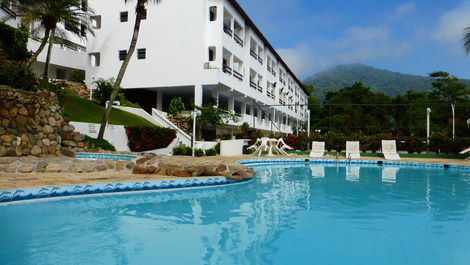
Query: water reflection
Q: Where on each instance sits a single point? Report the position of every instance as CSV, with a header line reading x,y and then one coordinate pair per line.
x,y
290,214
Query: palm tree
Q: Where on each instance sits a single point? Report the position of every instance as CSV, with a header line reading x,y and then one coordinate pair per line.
x,y
139,10
466,40
48,13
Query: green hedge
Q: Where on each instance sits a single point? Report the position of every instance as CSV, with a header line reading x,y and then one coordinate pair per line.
x,y
439,142
103,144
147,138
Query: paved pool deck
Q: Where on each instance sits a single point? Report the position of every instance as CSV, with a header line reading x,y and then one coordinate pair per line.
x,y
27,180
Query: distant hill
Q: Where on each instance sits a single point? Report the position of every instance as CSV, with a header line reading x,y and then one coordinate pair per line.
x,y
379,80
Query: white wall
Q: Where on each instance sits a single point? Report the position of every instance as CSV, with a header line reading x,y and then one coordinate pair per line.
x,y
115,134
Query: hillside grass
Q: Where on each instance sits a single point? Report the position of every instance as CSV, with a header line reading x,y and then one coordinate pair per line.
x,y
82,110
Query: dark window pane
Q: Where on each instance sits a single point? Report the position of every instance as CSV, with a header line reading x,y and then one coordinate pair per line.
x,y
122,55
141,53
124,16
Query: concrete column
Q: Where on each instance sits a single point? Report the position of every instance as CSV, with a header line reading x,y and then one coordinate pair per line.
x,y
215,95
231,104
160,100
252,110
198,95
243,108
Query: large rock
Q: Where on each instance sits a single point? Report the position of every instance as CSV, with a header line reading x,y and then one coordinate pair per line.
x,y
4,113
79,138
68,128
36,150
26,168
23,111
6,138
53,168
47,129
69,143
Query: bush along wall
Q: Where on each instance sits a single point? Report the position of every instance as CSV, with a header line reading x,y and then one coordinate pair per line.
x,y
439,142
146,138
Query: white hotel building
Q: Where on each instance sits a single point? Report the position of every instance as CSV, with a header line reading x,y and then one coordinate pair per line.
x,y
193,49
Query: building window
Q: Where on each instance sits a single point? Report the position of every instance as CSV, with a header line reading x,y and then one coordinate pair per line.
x,y
141,53
95,59
212,54
124,16
213,13
83,30
144,14
122,55
96,22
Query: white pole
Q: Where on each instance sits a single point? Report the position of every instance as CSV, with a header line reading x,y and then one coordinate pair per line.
x,y
308,123
194,131
453,120
428,122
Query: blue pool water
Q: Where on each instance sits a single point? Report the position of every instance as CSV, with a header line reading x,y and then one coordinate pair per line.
x,y
289,214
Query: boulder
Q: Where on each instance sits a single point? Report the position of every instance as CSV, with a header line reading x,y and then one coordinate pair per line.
x,y
36,150
68,128
26,168
6,138
53,168
47,129
79,138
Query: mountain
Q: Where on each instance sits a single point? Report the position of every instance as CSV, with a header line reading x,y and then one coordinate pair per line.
x,y
379,80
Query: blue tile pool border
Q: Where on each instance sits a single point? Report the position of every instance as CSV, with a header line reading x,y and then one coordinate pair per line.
x,y
350,162
35,193
105,156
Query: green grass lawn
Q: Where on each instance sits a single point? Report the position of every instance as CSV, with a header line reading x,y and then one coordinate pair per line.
x,y
82,110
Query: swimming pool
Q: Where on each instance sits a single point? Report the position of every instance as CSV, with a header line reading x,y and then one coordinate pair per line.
x,y
291,213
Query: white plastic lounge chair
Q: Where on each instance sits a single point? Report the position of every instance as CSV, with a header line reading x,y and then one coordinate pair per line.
x,y
264,146
466,151
282,146
318,149
256,145
353,173
352,150
389,150
317,171
389,174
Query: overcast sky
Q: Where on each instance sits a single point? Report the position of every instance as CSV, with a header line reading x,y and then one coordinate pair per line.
x,y
415,37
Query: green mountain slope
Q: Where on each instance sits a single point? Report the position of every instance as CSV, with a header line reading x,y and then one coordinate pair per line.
x,y
388,82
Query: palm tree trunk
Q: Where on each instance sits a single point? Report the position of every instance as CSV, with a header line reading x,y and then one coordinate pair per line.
x,y
125,63
45,76
44,41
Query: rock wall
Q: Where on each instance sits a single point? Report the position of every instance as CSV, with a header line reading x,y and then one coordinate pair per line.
x,y
31,123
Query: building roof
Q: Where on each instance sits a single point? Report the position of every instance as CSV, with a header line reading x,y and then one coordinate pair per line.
x,y
248,20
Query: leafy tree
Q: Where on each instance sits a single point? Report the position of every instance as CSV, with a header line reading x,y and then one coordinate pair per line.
x,y
176,106
139,10
449,89
210,116
308,88
48,13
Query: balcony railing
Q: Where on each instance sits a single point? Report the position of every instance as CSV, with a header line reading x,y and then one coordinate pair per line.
x,y
260,60
269,69
253,84
260,89
238,40
227,69
228,30
253,54
274,72
269,94
238,75
282,80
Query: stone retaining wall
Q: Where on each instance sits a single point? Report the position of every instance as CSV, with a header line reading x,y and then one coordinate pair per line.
x,y
32,123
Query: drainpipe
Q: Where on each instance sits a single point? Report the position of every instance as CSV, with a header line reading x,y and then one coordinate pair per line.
x,y
428,121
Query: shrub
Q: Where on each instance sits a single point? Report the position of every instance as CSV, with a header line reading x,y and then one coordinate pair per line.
x,y
335,141
77,76
211,152
103,91
102,144
413,144
55,86
182,151
14,42
18,75
176,106
146,138
217,148
198,152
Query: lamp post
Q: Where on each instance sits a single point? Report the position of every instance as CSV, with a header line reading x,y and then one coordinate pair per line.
x,y
428,122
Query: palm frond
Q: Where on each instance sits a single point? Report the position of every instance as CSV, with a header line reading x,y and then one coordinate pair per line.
x,y
466,40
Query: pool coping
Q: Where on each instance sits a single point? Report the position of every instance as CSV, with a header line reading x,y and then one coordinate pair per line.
x,y
353,162
77,190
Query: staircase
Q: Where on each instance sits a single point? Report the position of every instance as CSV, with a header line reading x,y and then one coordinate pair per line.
x,y
160,120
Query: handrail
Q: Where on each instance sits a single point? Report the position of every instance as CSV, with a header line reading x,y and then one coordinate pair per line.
x,y
238,39
238,75
228,30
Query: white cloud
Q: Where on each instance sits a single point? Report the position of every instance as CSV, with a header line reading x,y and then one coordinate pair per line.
x,y
403,10
452,23
357,44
